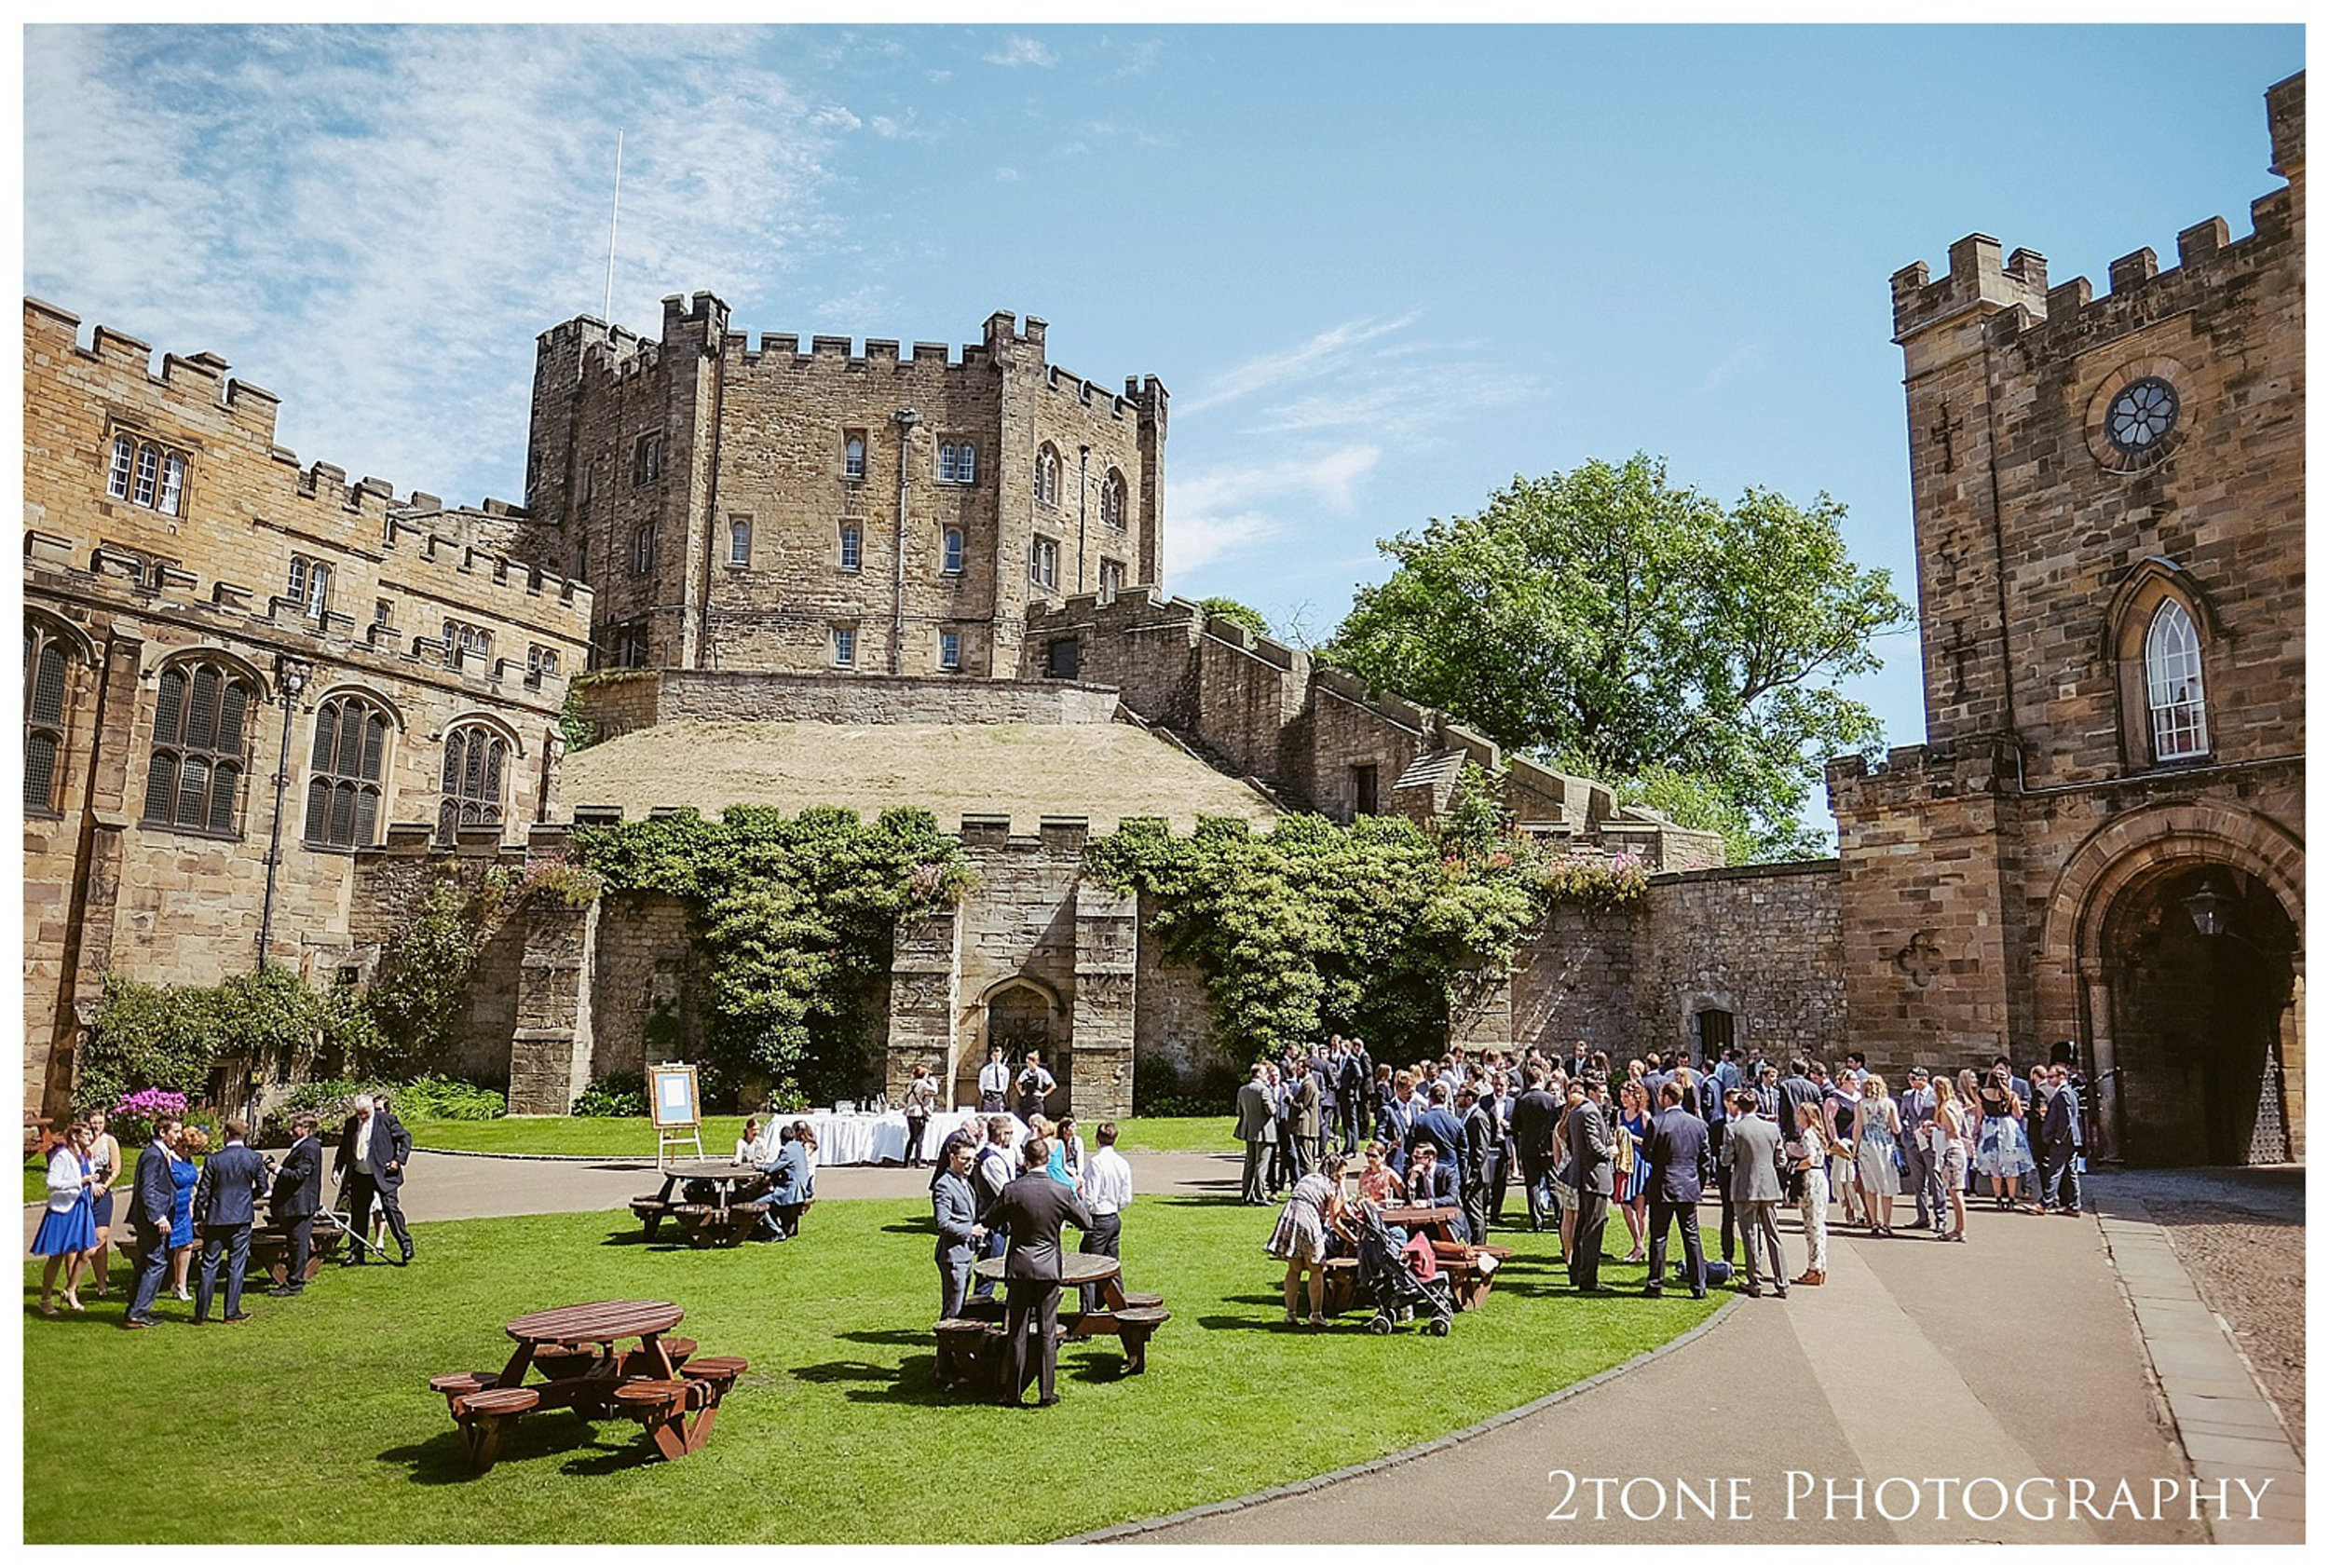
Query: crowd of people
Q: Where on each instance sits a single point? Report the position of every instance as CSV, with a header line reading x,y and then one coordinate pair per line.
x,y
179,1183
1652,1139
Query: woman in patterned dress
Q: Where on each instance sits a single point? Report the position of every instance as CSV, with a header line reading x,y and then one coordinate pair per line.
x,y
1875,1148
1313,1208
1633,1164
2004,1155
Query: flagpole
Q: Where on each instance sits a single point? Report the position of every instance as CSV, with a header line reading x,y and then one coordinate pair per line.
x,y
613,217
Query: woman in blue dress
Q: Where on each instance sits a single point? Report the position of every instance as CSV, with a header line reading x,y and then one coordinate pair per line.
x,y
68,1230
184,1174
1633,1164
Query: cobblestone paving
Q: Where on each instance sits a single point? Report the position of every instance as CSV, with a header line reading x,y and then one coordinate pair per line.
x,y
2241,1235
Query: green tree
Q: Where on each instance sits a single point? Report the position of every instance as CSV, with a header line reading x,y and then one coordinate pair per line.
x,y
1683,651
1244,614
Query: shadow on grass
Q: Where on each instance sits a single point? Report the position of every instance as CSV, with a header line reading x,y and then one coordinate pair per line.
x,y
887,1336
442,1460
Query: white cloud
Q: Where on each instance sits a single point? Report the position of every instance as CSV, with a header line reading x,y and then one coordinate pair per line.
x,y
1320,352
1216,513
1008,175
1020,52
375,222
1740,358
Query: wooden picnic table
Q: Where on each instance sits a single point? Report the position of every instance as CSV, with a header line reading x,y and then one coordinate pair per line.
x,y
579,1351
971,1344
727,1219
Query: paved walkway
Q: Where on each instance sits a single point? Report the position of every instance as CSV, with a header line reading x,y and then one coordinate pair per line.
x,y
2041,1352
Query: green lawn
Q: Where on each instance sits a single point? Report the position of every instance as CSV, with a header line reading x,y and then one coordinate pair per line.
x,y
634,1136
314,1423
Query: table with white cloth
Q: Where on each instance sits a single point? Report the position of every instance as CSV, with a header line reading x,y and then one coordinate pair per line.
x,y
870,1138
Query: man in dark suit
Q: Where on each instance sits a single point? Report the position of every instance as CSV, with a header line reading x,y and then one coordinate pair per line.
x,y
1677,1147
1439,1123
225,1203
1032,1208
1795,1089
374,1151
1592,1174
1257,1128
298,1196
1534,1115
1483,1151
1351,1094
154,1198
1431,1184
2065,1136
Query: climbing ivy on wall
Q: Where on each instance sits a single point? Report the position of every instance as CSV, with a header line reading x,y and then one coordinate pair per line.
x,y
1379,929
795,917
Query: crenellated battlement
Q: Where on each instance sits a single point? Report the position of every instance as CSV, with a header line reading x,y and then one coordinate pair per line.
x,y
1976,765
2016,292
196,382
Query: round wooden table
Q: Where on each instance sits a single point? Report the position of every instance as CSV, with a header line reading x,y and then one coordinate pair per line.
x,y
596,1322
1075,1268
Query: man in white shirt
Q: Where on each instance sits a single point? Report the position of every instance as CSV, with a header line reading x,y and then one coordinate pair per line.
x,y
1107,1190
991,1172
994,1081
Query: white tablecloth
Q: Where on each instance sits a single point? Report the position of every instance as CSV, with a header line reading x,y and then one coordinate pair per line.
x,y
866,1139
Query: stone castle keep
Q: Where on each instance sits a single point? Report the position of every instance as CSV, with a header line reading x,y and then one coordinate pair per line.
x,y
865,577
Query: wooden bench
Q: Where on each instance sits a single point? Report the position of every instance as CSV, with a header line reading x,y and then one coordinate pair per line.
x,y
1131,1326
650,1210
1342,1293
709,1225
270,1251
970,1352
1469,1270
638,1363
677,1414
721,1371
486,1416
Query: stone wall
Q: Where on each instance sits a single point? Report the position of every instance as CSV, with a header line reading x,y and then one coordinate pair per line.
x,y
619,702
1762,943
1312,734
129,593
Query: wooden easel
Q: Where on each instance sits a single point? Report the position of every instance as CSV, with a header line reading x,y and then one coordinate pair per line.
x,y
678,1116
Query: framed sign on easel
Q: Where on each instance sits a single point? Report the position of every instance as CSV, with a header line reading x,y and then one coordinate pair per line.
x,y
672,1102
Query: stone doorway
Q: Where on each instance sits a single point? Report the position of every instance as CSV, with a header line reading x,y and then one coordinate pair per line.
x,y
2204,985
1020,1014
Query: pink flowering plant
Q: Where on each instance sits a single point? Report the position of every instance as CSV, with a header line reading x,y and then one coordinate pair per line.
x,y
131,1119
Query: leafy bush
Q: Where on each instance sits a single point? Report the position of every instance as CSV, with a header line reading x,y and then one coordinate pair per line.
x,y
449,1100
331,1099
617,1094
795,917
172,1037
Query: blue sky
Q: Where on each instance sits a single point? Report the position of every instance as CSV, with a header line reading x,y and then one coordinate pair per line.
x,y
1382,269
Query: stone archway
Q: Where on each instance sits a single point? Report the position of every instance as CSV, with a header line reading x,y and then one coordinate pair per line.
x,y
2195,1041
1020,1014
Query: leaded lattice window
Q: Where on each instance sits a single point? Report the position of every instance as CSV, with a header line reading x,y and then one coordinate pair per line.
x,y
470,790
201,711
345,765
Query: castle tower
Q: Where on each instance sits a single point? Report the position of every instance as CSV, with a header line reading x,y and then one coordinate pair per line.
x,y
861,511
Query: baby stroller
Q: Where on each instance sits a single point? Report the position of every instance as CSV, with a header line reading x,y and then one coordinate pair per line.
x,y
1395,1280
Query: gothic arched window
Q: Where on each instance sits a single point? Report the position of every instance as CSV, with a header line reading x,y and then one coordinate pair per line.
x,y
2176,697
471,795
1113,500
1047,474
344,768
48,679
200,714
